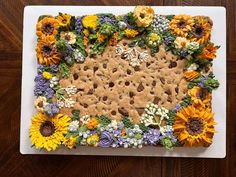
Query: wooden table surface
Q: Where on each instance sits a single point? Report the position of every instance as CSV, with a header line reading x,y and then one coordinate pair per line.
x,y
12,163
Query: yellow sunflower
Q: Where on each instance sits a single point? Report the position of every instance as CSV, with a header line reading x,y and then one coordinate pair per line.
x,y
48,133
64,19
181,24
194,127
200,97
90,21
46,51
201,30
144,15
47,26
191,75
70,142
131,33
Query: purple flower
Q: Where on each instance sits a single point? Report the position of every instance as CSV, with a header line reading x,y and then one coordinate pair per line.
x,y
40,69
54,68
177,108
51,109
105,139
169,134
169,40
125,19
152,137
104,19
41,84
183,53
202,82
79,25
49,92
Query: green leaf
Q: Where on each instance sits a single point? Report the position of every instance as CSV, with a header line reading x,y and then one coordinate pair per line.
x,y
127,123
75,114
186,101
64,70
171,115
169,17
97,48
104,120
143,127
59,94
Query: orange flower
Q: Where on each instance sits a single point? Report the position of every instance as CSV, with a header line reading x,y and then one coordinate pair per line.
x,y
191,75
181,24
201,30
46,51
194,127
123,132
113,41
209,52
92,123
86,41
47,26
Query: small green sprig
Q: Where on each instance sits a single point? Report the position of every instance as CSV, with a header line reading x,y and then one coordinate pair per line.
x,y
75,114
127,123
104,120
64,70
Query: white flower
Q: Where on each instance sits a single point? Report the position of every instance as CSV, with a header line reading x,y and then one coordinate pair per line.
x,y
85,119
181,42
54,81
193,67
40,103
122,25
78,56
71,90
119,50
114,124
74,125
60,104
69,103
160,23
192,47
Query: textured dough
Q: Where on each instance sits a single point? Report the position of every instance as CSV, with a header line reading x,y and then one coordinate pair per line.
x,y
109,85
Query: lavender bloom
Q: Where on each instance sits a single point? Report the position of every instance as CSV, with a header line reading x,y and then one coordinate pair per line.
x,y
183,53
125,19
79,25
105,139
169,40
41,84
177,108
49,92
152,137
104,19
40,69
51,109
54,68
202,81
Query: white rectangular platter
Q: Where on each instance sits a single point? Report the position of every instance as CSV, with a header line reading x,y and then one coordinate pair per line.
x,y
29,67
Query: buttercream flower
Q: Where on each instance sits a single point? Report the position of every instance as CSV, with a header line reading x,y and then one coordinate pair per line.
x,y
70,142
200,96
92,123
40,103
143,15
194,127
193,67
105,139
152,137
191,75
47,26
64,19
46,51
131,33
51,109
113,41
90,21
74,125
69,37
192,47
160,23
79,25
153,39
181,24
47,75
201,30
208,52
100,37
181,42
93,140
48,133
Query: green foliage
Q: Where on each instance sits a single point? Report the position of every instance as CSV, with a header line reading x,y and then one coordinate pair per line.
x,y
154,50
104,120
131,19
186,101
143,127
97,48
127,123
61,45
211,84
171,115
79,44
169,17
64,70
75,114
107,29
59,93
167,143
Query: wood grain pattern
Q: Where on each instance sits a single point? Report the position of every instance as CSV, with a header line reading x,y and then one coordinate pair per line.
x,y
13,164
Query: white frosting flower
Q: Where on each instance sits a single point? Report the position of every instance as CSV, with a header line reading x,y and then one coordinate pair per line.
x,y
40,103
74,125
193,67
181,42
85,119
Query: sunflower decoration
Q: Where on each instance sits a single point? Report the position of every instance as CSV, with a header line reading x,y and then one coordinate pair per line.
x,y
48,133
63,19
144,15
181,24
47,26
208,52
47,53
191,75
200,96
90,21
201,30
194,127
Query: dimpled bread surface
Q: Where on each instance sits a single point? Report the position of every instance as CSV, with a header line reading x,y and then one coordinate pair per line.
x,y
109,85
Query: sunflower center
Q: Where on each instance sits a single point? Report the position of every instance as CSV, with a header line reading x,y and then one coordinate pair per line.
x,y
199,31
47,50
40,104
64,20
202,94
194,126
142,15
67,37
181,24
47,28
47,129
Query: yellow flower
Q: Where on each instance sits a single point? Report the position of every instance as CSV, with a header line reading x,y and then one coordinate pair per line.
x,y
113,41
93,140
40,102
47,53
180,42
143,15
191,75
201,30
90,21
47,26
92,123
200,97
181,24
64,19
70,37
86,32
86,41
194,127
47,75
48,133
130,33
70,142
100,37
